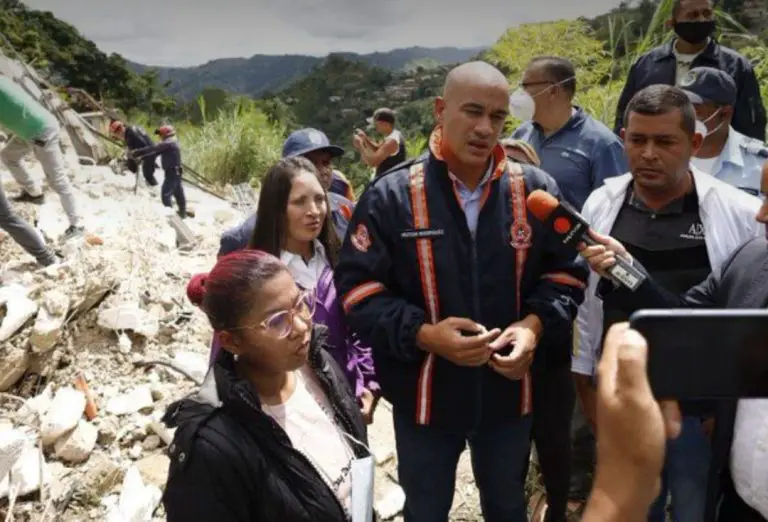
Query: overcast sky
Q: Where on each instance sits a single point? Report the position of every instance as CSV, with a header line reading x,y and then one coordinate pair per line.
x,y
190,32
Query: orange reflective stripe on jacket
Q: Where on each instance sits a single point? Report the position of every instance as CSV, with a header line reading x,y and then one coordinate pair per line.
x,y
429,287
520,217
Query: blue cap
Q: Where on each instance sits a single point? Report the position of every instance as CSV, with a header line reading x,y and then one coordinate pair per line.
x,y
307,140
705,84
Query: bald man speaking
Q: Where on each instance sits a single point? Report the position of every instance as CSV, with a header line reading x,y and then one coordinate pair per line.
x,y
457,287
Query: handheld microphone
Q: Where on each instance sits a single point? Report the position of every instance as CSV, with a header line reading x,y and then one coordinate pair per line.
x,y
567,223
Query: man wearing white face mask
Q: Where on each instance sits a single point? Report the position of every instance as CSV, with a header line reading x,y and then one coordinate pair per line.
x,y
579,152
575,149
726,153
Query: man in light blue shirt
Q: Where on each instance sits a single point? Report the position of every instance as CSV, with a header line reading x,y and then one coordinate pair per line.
x,y
579,152
575,149
726,154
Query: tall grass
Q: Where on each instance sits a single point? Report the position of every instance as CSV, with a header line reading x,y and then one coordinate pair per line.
x,y
237,145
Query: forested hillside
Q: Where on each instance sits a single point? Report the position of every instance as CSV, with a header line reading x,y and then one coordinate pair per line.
x,y
338,92
262,74
60,52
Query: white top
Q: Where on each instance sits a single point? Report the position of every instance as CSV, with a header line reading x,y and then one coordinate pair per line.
x,y
706,164
728,217
307,418
684,62
749,454
394,135
306,274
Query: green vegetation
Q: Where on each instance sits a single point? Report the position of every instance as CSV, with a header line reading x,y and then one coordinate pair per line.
x,y
261,74
230,137
603,49
57,50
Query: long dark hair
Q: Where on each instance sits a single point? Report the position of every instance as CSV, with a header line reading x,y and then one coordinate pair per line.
x,y
271,227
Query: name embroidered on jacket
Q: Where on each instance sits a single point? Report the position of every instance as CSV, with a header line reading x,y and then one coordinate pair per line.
x,y
422,234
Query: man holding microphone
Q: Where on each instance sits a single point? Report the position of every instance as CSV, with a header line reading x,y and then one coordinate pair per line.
x,y
738,479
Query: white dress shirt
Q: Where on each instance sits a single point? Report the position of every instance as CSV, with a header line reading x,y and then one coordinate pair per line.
x,y
306,274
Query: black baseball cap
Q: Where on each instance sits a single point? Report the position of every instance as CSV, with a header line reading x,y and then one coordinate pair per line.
x,y
307,140
706,84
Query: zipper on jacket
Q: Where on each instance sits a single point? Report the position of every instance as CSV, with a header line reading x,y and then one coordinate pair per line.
x,y
315,362
476,315
282,435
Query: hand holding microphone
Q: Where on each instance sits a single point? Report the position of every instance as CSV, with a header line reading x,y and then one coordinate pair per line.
x,y
606,256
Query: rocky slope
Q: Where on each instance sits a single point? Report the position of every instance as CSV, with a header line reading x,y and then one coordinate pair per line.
x,y
79,345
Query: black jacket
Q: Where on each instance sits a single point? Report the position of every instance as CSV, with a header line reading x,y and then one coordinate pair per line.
x,y
169,151
659,66
232,462
137,138
409,258
741,283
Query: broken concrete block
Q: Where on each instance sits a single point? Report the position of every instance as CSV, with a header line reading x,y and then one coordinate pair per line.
x,y
18,310
92,294
137,501
154,469
63,415
128,316
103,475
13,364
391,504
50,320
138,400
76,446
12,444
35,407
27,473
195,364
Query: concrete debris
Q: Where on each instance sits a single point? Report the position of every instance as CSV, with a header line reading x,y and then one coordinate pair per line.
x,y
392,504
18,310
76,446
103,476
154,469
13,364
34,408
50,321
195,364
128,316
12,444
63,415
137,501
118,297
139,399
28,472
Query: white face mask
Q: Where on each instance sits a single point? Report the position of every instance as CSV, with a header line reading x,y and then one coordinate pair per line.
x,y
701,126
522,105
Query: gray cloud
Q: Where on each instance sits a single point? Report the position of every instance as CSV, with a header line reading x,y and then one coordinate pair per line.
x,y
190,32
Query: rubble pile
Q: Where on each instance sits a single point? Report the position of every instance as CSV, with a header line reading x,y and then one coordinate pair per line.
x,y
81,393
89,353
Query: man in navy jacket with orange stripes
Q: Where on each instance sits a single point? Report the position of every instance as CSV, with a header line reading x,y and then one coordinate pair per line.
x,y
456,287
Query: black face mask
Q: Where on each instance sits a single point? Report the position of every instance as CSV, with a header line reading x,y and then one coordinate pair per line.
x,y
694,32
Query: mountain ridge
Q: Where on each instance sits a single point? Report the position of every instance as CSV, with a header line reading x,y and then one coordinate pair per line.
x,y
261,74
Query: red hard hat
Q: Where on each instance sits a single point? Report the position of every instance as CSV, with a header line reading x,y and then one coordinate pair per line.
x,y
116,126
165,131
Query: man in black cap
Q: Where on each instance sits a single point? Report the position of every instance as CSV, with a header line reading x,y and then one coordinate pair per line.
x,y
694,23
726,153
315,146
390,152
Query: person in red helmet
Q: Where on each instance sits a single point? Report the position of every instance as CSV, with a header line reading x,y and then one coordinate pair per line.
x,y
135,138
170,158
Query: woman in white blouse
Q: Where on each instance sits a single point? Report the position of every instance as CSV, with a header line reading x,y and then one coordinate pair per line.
x,y
295,225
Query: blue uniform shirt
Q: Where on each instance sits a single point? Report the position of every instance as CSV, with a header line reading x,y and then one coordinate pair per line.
x,y
579,156
740,163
